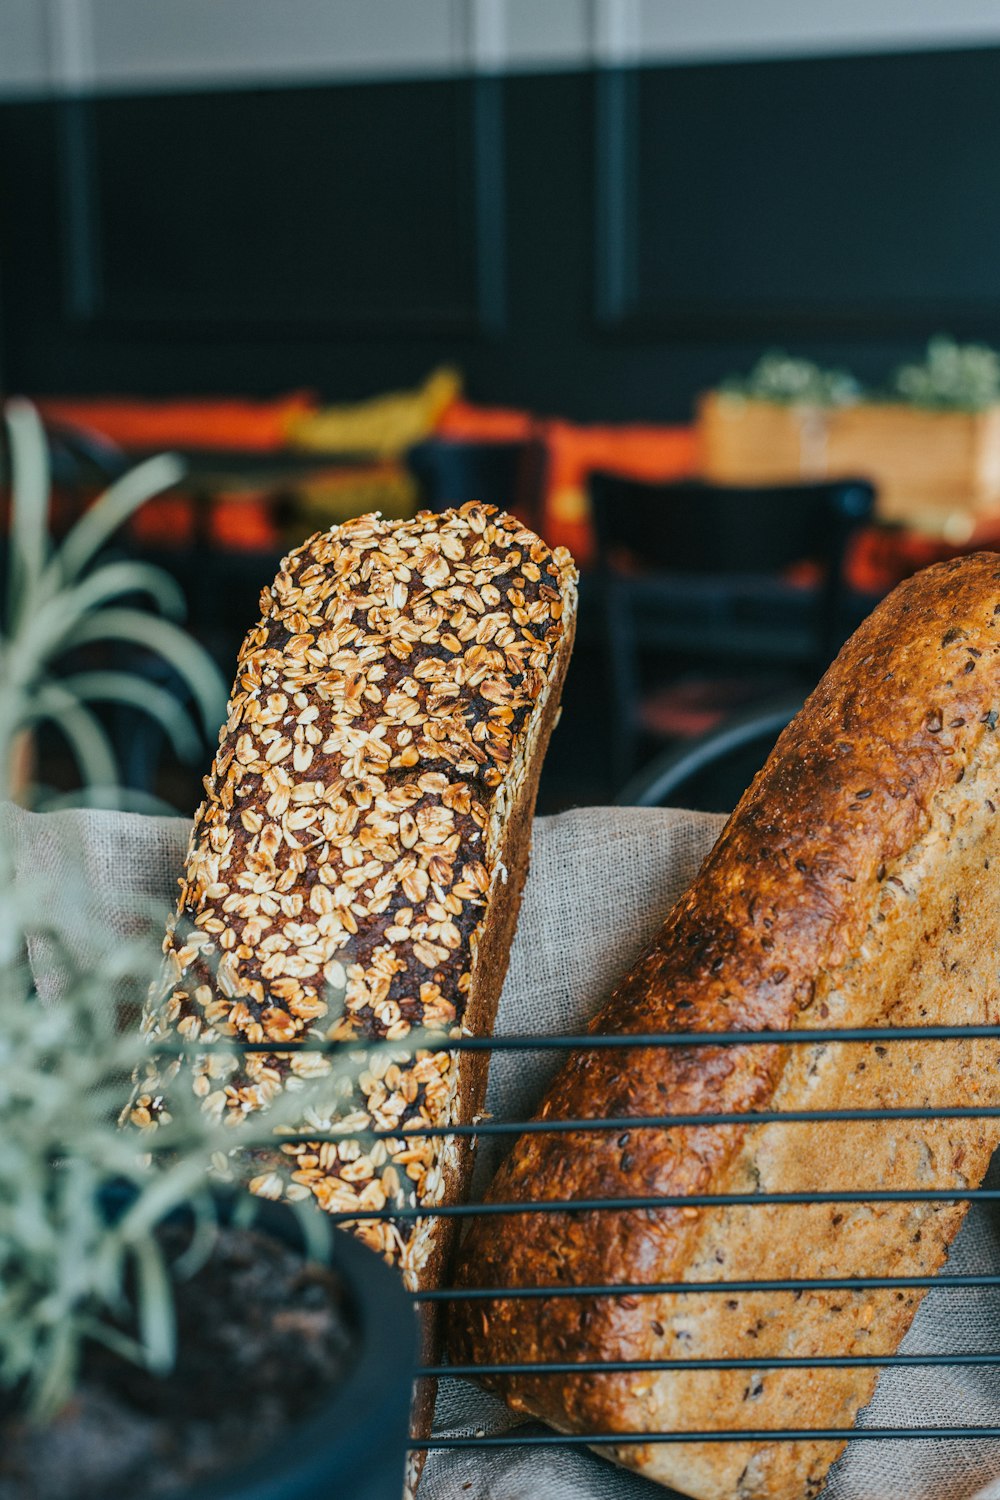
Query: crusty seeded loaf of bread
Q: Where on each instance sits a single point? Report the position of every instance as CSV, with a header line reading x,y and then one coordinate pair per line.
x,y
856,884
356,867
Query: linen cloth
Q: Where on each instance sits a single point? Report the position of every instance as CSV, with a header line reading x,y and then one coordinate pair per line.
x,y
601,881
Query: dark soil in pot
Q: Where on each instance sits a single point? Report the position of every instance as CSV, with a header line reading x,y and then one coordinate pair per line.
x,y
263,1340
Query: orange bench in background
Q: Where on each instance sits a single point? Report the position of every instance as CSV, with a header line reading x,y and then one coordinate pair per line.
x,y
244,518
574,451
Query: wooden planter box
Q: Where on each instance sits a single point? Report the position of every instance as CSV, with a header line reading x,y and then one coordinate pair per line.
x,y
758,442
927,466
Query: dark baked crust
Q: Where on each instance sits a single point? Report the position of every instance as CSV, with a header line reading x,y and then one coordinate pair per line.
x,y
356,866
825,901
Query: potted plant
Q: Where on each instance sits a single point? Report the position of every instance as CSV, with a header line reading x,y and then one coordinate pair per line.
x,y
151,1336
930,442
773,426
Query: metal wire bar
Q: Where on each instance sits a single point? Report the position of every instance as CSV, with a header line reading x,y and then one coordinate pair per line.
x,y
635,1366
589,1041
664,1288
689,1200
731,1435
645,1122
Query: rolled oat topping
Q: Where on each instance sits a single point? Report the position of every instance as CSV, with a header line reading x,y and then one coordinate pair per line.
x,y
340,862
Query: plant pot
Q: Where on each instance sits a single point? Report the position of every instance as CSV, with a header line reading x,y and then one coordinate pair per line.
x,y
922,462
748,442
353,1447
353,1444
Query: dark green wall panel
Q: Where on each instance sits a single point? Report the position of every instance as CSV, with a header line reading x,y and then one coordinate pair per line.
x,y
599,246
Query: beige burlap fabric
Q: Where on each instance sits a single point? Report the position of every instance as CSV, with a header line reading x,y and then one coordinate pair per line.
x,y
601,880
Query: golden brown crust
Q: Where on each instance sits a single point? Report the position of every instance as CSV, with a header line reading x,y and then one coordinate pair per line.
x,y
848,888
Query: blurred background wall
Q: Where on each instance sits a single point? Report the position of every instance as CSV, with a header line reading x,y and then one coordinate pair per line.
x,y
594,209
225,225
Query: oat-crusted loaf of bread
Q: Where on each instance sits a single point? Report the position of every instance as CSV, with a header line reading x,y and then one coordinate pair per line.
x,y
356,867
856,884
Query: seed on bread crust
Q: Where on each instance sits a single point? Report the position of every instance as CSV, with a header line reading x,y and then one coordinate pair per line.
x,y
340,863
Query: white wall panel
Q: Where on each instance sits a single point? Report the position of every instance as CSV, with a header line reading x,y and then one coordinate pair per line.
x,y
23,49
155,44
149,43
548,33
484,25
615,31
672,30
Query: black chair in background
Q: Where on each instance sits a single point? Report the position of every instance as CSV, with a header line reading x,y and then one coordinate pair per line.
x,y
704,573
508,475
712,772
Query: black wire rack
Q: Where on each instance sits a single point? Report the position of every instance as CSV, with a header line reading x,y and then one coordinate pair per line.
x,y
633,1041
629,1041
